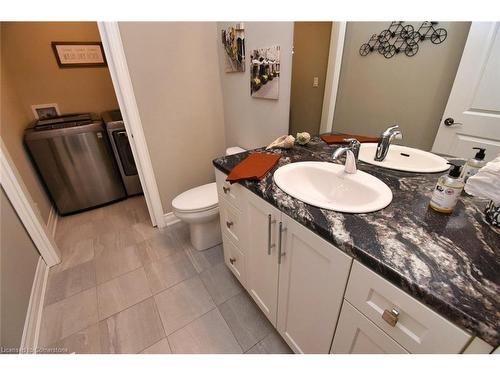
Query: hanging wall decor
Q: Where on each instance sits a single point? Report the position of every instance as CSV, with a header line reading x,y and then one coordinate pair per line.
x,y
233,41
403,38
265,73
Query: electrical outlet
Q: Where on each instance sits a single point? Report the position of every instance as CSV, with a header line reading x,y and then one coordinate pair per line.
x,y
315,82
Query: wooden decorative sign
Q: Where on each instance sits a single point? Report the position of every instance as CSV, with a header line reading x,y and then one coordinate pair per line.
x,y
79,54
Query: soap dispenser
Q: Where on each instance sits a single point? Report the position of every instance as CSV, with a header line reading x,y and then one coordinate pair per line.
x,y
447,190
474,164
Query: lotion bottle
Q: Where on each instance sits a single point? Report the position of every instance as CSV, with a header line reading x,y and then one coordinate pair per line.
x,y
447,190
474,164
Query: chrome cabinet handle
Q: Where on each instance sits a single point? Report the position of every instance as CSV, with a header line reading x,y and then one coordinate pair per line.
x,y
391,317
269,224
280,242
232,260
229,224
226,189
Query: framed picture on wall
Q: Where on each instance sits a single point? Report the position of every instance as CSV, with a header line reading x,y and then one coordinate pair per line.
x,y
45,111
79,54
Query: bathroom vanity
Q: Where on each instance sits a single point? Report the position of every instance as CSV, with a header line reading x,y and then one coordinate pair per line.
x,y
403,279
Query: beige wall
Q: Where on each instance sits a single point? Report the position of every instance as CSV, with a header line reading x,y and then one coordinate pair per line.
x,y
251,122
311,46
174,71
30,75
18,261
375,92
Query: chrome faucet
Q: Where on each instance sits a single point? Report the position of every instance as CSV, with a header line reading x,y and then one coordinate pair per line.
x,y
386,138
351,151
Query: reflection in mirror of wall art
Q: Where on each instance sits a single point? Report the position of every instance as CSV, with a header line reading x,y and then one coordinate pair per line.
x,y
233,40
265,73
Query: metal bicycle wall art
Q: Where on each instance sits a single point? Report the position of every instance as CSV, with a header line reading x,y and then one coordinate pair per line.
x,y
403,38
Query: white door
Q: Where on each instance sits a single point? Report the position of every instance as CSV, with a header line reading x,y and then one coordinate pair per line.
x,y
356,334
472,115
312,280
261,254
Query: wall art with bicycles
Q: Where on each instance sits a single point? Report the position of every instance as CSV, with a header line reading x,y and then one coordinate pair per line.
x,y
400,38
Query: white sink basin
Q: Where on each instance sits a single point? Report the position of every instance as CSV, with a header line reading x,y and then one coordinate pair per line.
x,y
326,185
404,158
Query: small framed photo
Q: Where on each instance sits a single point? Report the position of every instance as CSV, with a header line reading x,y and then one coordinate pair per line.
x,y
45,111
79,54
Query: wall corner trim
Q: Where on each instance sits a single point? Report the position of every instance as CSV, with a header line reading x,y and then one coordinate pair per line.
x,y
170,219
52,221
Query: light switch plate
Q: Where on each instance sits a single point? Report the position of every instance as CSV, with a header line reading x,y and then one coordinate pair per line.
x,y
315,82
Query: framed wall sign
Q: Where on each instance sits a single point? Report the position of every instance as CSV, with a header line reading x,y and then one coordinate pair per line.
x,y
79,54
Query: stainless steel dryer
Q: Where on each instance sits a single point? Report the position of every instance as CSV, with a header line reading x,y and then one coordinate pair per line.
x,y
123,153
73,157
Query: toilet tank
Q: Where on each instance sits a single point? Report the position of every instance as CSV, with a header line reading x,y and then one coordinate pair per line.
x,y
234,150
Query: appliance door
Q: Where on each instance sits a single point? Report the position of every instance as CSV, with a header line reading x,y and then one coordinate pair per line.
x,y
124,152
77,166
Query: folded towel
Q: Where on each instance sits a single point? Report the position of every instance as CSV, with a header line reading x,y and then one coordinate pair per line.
x,y
339,138
254,167
486,182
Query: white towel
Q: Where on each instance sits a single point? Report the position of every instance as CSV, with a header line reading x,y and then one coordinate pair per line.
x,y
486,182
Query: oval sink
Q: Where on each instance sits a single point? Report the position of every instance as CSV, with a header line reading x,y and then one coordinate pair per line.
x,y
326,185
403,158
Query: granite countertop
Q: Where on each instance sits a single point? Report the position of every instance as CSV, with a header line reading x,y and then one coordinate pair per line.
x,y
451,263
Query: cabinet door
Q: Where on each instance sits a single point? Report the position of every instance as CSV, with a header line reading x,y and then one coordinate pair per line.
x,y
357,335
261,254
312,280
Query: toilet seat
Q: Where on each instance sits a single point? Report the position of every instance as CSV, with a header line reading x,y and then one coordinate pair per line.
x,y
199,199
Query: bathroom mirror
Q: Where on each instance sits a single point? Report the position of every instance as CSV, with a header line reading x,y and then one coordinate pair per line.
x,y
374,91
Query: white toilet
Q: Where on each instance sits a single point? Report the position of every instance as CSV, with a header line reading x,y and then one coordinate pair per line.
x,y
199,207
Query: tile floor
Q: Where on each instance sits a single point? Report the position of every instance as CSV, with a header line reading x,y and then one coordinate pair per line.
x,y
126,287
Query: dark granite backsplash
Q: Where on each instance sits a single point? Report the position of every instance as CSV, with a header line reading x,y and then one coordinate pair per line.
x,y
451,263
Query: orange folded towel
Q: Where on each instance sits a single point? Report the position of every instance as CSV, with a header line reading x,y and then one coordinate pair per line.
x,y
254,167
339,138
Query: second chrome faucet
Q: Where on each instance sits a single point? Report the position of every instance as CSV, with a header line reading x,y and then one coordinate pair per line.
x,y
386,138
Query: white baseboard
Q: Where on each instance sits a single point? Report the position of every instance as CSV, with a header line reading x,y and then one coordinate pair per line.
x,y
52,221
32,324
170,219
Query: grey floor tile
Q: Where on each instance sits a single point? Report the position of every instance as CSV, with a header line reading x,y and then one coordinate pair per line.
x,y
131,330
182,303
73,280
160,245
161,347
114,262
208,334
86,341
113,240
169,271
144,231
205,259
272,344
76,253
124,291
248,324
68,316
220,283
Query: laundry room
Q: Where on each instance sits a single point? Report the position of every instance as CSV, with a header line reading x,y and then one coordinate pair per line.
x,y
63,127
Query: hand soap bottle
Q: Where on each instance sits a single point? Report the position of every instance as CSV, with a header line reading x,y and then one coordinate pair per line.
x,y
447,190
474,164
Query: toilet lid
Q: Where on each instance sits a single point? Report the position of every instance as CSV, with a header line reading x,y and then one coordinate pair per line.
x,y
197,199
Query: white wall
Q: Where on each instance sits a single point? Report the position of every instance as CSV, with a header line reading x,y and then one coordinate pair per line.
x,y
175,74
251,122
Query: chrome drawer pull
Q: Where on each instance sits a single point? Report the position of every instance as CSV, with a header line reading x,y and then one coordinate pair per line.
x,y
229,224
269,223
391,317
226,189
280,254
232,260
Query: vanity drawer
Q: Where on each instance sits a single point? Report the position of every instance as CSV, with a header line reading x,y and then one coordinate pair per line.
x,y
230,222
232,193
417,328
234,259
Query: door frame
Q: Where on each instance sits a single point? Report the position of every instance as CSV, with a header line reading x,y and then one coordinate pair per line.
x,y
120,75
23,204
337,40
